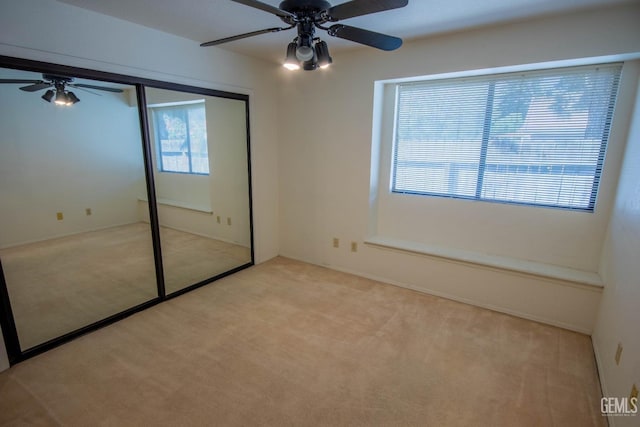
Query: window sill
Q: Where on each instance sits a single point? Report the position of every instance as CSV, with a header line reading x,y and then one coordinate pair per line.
x,y
532,268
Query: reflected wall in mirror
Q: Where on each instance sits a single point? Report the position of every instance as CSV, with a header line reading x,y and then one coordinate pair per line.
x,y
200,163
72,245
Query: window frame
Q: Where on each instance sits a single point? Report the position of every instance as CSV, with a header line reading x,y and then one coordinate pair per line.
x,y
186,106
491,79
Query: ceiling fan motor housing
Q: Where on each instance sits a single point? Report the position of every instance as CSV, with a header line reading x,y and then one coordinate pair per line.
x,y
304,7
57,79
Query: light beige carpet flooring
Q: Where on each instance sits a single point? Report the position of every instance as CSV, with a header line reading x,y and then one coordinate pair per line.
x,y
290,344
59,285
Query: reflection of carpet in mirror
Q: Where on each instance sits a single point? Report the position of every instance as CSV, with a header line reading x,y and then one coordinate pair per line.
x,y
59,285
188,258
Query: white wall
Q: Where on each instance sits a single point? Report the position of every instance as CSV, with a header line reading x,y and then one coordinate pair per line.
x,y
619,314
66,159
325,159
103,43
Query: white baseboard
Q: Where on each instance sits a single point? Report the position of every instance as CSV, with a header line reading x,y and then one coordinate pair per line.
x,y
62,235
222,239
603,383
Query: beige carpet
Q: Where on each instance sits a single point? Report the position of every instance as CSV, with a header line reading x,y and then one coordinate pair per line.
x,y
291,344
60,285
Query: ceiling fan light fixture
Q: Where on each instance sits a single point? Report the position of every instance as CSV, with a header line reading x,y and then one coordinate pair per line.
x,y
310,65
61,98
291,61
305,51
48,96
322,52
72,98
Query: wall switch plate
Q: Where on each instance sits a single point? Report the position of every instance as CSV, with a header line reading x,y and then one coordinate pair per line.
x,y
218,219
618,353
354,247
228,220
336,242
59,216
88,211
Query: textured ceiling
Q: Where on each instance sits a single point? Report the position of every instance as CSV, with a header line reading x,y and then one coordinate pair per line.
x,y
205,20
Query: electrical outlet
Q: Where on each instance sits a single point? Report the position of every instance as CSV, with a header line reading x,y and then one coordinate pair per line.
x,y
618,353
218,219
59,216
87,211
354,247
228,220
336,242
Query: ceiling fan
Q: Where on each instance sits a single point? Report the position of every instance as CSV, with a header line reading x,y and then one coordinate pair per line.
x,y
307,15
59,94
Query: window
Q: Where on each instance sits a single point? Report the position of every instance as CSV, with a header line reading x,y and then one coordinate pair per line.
x,y
535,138
181,138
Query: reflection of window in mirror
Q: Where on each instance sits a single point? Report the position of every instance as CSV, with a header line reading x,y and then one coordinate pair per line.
x,y
181,137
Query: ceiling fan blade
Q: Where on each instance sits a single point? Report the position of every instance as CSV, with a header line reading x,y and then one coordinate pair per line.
x,y
20,81
107,89
369,38
363,7
37,86
243,36
265,7
88,91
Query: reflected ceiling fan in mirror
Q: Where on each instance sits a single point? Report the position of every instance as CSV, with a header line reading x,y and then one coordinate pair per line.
x,y
57,88
307,50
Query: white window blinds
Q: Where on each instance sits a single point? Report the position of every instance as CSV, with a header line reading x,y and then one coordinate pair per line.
x,y
535,138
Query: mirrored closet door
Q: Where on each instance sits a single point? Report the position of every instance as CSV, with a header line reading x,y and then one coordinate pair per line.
x,y
200,167
117,193
74,249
